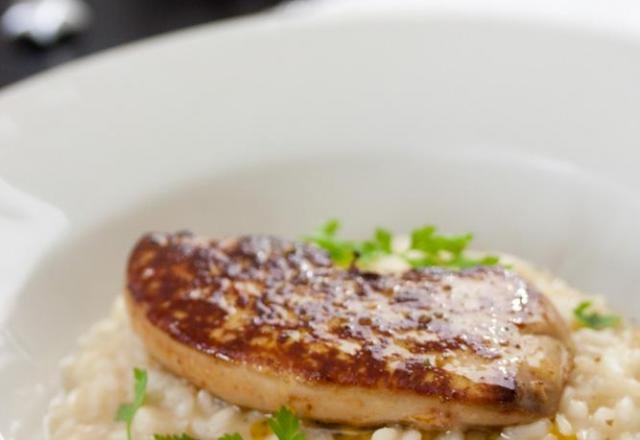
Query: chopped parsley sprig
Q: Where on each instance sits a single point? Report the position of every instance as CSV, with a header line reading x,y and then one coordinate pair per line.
x,y
127,411
427,248
234,436
342,252
284,424
444,250
594,320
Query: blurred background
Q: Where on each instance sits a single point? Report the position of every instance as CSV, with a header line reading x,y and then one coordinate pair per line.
x,y
39,34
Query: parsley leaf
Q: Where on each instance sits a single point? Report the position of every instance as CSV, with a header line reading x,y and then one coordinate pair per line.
x,y
426,239
593,320
234,436
285,425
383,239
444,250
427,248
326,237
173,437
127,411
380,245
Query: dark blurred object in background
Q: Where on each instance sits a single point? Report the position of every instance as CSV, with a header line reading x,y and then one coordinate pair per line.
x,y
116,22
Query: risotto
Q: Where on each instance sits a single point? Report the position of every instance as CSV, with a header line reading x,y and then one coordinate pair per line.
x,y
601,400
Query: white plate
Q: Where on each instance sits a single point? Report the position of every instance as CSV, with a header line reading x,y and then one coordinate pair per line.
x,y
525,133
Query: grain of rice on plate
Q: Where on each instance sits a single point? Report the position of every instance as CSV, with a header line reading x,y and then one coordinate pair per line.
x,y
601,400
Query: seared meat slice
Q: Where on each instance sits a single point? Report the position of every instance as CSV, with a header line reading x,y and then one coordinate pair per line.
x,y
263,322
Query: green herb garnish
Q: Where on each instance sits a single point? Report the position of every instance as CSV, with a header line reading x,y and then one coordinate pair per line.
x,y
427,248
594,320
127,411
443,250
341,252
234,436
368,251
285,425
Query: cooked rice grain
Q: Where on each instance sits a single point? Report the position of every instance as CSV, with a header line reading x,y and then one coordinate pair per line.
x,y
601,401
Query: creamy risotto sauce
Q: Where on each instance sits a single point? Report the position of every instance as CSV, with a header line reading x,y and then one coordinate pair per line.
x,y
601,400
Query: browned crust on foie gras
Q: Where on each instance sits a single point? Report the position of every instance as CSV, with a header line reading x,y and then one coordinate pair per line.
x,y
262,322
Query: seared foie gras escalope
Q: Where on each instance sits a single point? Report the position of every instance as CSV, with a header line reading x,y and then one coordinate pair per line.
x,y
263,322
